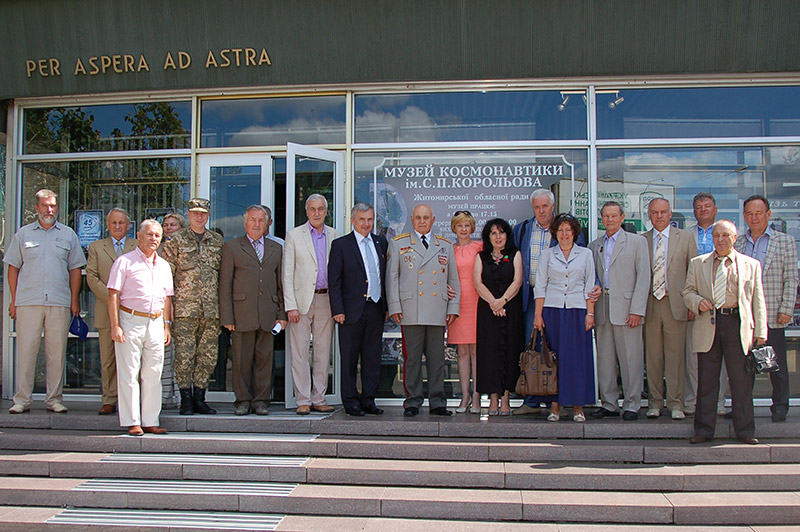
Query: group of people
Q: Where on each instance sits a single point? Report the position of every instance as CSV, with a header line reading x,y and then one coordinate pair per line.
x,y
673,302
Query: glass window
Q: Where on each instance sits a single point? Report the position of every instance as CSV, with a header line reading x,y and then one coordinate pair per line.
x,y
138,126
272,121
470,116
696,113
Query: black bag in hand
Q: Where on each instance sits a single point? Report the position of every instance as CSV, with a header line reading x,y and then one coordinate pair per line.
x,y
538,370
760,360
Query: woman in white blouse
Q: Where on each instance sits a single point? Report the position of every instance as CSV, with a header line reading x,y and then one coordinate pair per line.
x,y
565,313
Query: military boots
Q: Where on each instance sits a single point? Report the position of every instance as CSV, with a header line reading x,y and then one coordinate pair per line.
x,y
200,406
187,408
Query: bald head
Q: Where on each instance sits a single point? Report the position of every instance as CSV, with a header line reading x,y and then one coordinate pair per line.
x,y
422,218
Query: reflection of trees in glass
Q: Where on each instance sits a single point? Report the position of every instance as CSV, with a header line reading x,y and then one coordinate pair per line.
x,y
154,126
63,129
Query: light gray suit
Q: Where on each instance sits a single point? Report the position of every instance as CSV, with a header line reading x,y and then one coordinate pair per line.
x,y
416,286
626,293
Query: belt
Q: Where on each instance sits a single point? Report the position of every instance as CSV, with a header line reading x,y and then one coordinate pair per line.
x,y
321,291
141,314
728,311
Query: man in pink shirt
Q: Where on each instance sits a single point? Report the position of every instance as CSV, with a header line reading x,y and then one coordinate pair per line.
x,y
139,305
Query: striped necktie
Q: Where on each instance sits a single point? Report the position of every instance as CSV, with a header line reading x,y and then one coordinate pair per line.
x,y
659,269
259,250
118,248
720,283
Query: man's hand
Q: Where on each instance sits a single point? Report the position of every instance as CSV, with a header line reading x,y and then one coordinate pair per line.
x,y
784,319
451,294
12,310
706,305
283,323
760,341
634,320
75,308
451,318
691,316
167,334
117,335
398,317
339,318
594,295
231,328
294,316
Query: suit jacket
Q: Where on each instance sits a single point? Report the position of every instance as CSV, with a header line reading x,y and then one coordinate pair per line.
x,y
778,276
629,278
347,277
680,251
522,239
300,267
250,292
417,279
752,311
98,266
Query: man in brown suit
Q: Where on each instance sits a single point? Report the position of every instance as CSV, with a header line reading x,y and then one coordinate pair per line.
x,y
250,305
102,254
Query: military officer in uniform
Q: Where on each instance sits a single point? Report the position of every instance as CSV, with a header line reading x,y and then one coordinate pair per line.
x,y
195,254
421,266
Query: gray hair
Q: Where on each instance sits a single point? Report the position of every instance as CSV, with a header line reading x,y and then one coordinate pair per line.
x,y
150,221
361,207
315,197
44,194
703,196
729,224
658,199
541,192
268,211
255,208
120,210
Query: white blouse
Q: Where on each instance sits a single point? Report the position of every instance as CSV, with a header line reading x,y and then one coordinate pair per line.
x,y
565,283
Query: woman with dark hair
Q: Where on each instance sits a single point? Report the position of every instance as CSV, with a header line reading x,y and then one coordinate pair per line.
x,y
500,326
565,312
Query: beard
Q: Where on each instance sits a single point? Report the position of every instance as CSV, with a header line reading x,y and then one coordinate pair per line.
x,y
47,219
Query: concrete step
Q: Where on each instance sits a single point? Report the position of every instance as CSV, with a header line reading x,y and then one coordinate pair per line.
x,y
646,451
92,519
687,508
414,473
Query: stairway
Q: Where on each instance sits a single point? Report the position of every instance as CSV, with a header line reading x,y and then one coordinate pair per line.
x,y
334,473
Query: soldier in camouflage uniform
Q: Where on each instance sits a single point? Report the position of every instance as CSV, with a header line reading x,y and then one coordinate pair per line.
x,y
195,254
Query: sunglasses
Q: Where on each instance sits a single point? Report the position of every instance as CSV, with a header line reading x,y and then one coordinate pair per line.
x,y
462,212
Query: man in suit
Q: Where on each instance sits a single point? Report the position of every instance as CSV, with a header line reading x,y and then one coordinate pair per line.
x,y
623,265
250,305
671,249
723,289
777,254
356,269
421,266
102,254
705,212
305,296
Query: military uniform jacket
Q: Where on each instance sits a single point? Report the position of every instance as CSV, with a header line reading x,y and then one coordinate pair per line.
x,y
417,279
195,269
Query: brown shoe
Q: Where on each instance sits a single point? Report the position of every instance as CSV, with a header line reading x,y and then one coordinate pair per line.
x,y
135,430
155,430
322,408
107,409
303,410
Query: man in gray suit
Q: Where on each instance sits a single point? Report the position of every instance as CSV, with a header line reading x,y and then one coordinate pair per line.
x,y
421,266
623,265
250,304
671,249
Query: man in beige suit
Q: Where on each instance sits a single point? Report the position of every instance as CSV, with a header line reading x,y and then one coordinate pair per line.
x,y
723,288
305,296
102,254
671,249
250,304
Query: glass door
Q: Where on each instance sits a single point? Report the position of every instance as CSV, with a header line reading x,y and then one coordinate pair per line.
x,y
315,171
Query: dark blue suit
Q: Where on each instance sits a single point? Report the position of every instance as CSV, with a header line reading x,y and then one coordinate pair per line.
x,y
362,331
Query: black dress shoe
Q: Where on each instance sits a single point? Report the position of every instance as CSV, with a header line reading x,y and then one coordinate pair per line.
x,y
372,409
628,415
778,416
749,440
411,411
355,412
600,413
699,438
441,411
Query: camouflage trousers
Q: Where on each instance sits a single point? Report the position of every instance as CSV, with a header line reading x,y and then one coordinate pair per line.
x,y
196,347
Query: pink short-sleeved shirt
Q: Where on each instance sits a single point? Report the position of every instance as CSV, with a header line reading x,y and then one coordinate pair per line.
x,y
143,284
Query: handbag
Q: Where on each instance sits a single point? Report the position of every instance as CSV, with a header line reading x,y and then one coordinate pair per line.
x,y
538,370
760,360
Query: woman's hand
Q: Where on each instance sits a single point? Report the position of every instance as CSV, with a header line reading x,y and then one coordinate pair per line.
x,y
497,305
589,322
538,323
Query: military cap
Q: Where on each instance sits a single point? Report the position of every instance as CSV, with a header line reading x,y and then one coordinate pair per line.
x,y
199,205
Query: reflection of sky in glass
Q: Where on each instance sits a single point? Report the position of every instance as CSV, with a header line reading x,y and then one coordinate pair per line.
x,y
705,112
469,116
273,121
108,117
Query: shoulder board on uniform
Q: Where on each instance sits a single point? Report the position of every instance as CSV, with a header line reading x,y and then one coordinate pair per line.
x,y
440,237
404,235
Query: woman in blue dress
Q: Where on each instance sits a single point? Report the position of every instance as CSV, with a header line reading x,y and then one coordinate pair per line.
x,y
565,313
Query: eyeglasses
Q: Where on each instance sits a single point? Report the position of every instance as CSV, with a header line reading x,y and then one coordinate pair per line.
x,y
463,212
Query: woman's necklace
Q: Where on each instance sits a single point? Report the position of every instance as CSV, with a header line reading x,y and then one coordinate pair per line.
x,y
496,257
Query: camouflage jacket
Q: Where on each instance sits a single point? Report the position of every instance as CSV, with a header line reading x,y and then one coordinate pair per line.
x,y
195,270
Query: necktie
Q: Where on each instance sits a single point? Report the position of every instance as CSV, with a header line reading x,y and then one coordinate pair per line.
x,y
720,284
659,269
118,248
259,251
424,242
372,272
